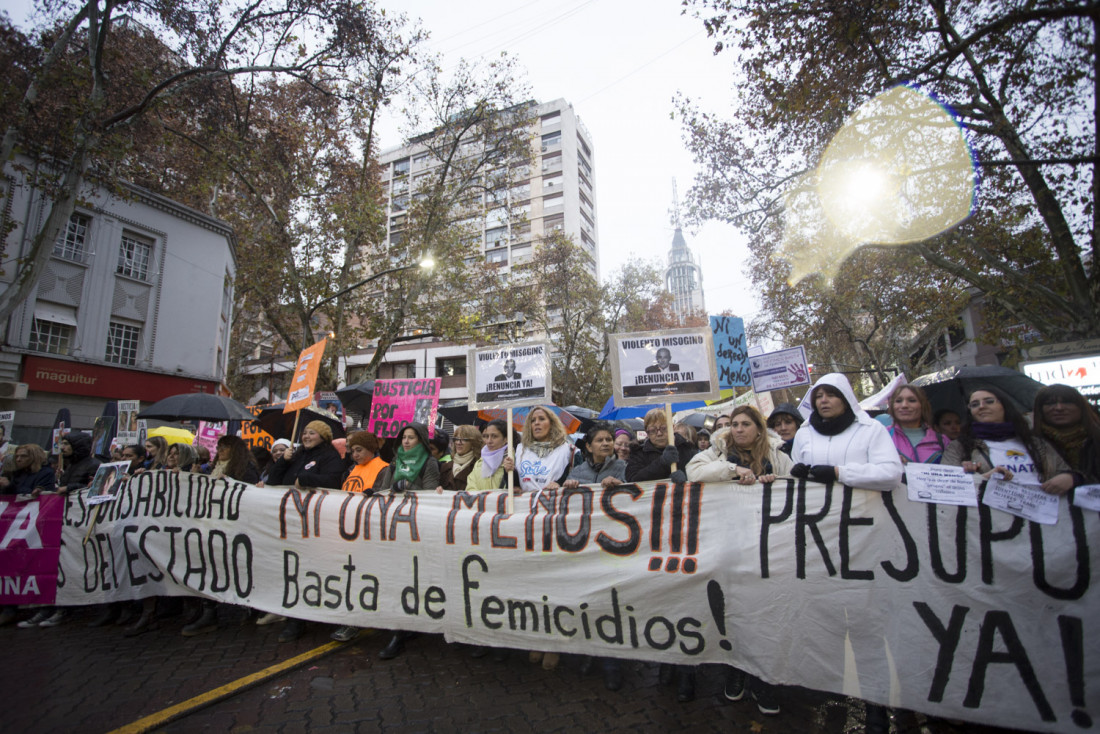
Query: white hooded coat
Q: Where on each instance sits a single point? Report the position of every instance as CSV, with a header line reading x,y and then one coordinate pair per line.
x,y
863,453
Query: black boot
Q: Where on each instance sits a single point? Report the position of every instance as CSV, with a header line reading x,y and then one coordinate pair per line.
x,y
612,674
207,621
685,689
292,630
106,615
394,647
664,673
145,623
877,720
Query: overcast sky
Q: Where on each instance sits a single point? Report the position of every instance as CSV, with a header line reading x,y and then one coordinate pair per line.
x,y
619,63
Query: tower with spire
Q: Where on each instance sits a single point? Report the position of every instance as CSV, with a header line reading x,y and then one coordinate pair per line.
x,y
683,276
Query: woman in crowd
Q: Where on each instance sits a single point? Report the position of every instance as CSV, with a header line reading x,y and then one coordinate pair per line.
x,y
687,432
702,439
785,420
947,423
467,443
32,474
602,467
543,461
180,457
263,460
623,441
488,471
1072,426
413,470
842,443
315,464
204,465
911,427
363,448
78,464
742,453
651,460
994,438
746,454
233,460
156,453
439,446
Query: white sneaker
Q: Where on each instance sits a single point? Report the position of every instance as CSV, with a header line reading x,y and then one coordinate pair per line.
x,y
55,619
40,616
270,618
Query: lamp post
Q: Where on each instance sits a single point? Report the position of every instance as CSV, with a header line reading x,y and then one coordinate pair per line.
x,y
427,263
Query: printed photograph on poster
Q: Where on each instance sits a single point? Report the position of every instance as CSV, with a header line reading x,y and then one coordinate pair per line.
x,y
101,435
7,420
128,421
660,366
55,439
106,480
513,374
778,370
397,403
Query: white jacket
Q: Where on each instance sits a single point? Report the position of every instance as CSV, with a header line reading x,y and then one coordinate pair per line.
x,y
863,453
713,466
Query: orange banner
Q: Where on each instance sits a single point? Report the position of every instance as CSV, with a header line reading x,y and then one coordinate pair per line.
x,y
305,377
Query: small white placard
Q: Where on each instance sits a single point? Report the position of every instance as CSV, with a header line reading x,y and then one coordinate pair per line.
x,y
1087,496
940,484
1023,500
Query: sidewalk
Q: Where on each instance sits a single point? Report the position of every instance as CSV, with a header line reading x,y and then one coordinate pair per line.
x,y
72,678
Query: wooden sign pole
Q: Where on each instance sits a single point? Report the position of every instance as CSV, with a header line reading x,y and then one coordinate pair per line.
x,y
511,474
671,435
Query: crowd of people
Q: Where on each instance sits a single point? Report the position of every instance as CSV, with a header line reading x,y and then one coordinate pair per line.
x,y
837,442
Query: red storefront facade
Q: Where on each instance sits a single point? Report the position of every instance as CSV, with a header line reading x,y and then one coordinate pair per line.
x,y
67,377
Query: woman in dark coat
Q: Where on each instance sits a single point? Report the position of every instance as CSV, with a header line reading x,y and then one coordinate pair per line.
x,y
32,474
316,464
79,465
1072,426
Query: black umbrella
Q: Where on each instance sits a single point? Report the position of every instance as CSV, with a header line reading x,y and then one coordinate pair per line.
x,y
949,388
197,406
357,398
695,420
281,425
586,416
458,412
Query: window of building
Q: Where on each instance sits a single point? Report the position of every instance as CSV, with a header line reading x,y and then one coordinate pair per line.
x,y
400,186
551,184
521,254
397,371
122,343
421,161
551,163
400,203
450,367
553,118
553,204
51,337
496,237
583,167
496,217
522,192
551,141
72,244
554,223
584,147
134,255
401,168
497,257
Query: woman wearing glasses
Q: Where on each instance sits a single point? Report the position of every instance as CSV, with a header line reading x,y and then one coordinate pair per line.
x,y
1065,419
996,439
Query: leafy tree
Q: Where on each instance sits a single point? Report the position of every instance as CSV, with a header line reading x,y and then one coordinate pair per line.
x,y
82,102
1020,75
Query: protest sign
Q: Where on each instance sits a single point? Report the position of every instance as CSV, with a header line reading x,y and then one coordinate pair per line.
x,y
1023,500
7,420
330,401
397,403
128,421
30,543
55,438
941,484
101,435
777,370
252,434
105,483
208,434
662,366
508,375
958,612
302,384
1087,496
730,351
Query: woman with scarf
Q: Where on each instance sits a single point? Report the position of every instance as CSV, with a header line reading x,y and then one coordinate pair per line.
x,y
180,457
413,470
1072,426
468,444
842,443
439,446
488,471
996,439
911,427
233,460
785,420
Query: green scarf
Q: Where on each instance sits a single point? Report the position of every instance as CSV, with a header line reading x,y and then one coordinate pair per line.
x,y
408,464
1070,440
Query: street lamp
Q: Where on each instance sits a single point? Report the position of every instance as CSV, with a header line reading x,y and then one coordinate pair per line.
x,y
426,263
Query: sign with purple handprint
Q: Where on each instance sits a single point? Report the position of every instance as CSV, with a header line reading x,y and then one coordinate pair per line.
x,y
777,370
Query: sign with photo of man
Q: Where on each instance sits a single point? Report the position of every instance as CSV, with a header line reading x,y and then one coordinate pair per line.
x,y
661,366
513,374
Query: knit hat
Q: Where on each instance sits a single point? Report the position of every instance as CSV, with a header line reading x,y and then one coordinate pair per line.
x,y
366,440
282,442
322,429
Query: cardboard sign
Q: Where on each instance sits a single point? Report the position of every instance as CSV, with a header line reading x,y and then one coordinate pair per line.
x,y
302,384
777,370
731,352
108,478
513,374
208,435
30,543
663,366
128,421
397,403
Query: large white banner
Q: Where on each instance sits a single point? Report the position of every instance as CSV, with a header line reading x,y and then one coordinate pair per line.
x,y
962,612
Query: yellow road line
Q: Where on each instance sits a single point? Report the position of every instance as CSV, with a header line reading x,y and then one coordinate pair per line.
x,y
164,716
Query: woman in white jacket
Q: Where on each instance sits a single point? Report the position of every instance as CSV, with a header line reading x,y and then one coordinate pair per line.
x,y
842,443
743,453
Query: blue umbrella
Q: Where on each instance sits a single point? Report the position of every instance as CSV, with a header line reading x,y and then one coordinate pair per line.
x,y
611,413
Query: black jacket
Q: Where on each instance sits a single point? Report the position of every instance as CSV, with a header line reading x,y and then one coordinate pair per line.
x,y
320,466
25,481
644,463
81,466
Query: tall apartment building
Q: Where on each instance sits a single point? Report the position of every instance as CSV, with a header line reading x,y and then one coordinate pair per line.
x,y
556,191
684,277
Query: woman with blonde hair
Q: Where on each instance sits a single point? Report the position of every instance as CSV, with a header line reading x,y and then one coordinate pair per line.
x,y
911,429
467,449
743,453
544,456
